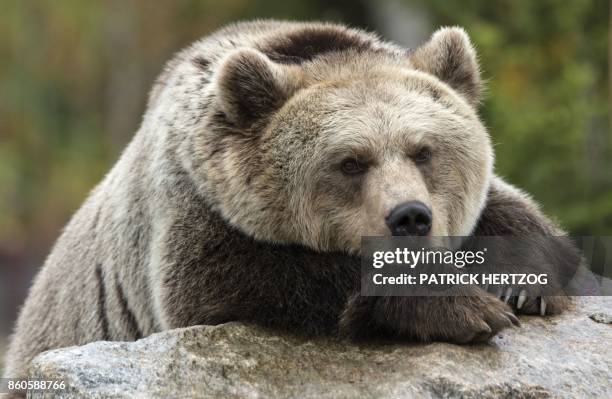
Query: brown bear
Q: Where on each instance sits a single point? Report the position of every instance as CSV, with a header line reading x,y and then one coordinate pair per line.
x,y
267,151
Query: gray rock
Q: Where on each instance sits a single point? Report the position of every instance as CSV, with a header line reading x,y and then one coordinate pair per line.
x,y
601,317
565,356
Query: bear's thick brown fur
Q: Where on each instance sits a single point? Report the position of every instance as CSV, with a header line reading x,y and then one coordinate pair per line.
x,y
233,201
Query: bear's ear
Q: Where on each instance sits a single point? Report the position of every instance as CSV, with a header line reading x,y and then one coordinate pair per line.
x,y
250,86
450,56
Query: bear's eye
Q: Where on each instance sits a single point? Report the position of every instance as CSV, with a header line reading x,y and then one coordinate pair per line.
x,y
422,156
352,166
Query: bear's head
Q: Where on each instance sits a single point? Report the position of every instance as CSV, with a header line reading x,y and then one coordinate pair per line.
x,y
348,144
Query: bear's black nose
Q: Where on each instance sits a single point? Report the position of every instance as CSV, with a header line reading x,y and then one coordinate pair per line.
x,y
409,219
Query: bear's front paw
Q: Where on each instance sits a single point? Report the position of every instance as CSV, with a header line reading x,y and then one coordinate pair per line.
x,y
468,319
526,301
462,319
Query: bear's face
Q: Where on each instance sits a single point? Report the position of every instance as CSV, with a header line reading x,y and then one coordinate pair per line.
x,y
351,145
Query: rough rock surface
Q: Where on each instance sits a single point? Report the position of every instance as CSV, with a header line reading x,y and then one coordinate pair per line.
x,y
602,317
566,356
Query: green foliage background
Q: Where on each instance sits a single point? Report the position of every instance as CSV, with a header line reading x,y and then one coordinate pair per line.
x,y
74,77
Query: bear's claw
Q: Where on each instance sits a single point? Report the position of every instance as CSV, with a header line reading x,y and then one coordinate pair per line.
x,y
508,294
513,319
521,299
530,303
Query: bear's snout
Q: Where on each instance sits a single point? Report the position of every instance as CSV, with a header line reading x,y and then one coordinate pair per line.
x,y
411,218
